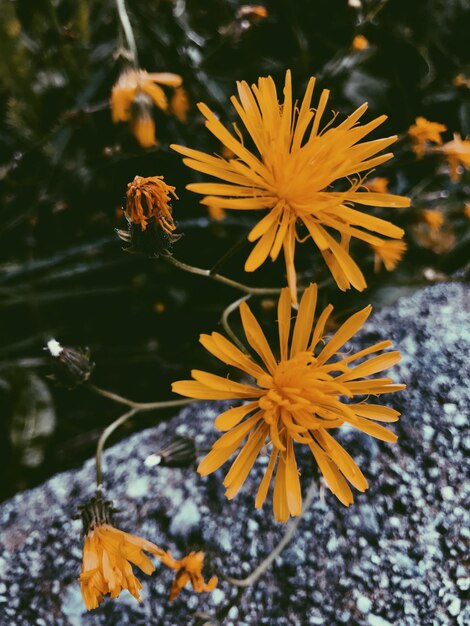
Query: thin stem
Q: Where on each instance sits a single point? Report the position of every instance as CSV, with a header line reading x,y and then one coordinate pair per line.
x,y
261,569
254,291
128,32
225,323
227,255
102,440
139,406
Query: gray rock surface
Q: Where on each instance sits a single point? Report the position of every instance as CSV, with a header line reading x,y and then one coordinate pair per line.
x,y
395,557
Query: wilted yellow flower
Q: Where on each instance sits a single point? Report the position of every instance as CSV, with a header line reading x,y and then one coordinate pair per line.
x,y
457,152
433,218
423,131
296,398
379,184
360,43
179,104
389,253
132,98
292,175
149,198
108,554
189,569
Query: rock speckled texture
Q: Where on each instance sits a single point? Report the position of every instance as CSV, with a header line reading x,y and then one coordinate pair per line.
x,y
394,558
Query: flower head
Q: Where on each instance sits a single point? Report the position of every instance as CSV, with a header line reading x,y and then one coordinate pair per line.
x,y
189,569
296,398
108,554
179,104
432,217
457,153
389,253
71,366
424,131
360,43
149,198
132,99
291,178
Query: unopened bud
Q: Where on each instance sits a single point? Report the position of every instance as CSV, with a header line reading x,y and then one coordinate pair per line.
x,y
71,366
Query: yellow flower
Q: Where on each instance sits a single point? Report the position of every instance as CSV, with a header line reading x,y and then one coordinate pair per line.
x,y
457,153
389,253
180,104
295,398
149,198
189,570
132,97
108,554
292,177
217,214
379,184
423,131
360,43
433,218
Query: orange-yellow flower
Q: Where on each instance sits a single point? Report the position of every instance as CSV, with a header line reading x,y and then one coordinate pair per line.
x,y
132,98
296,397
457,153
379,184
149,198
189,569
360,43
292,178
180,104
424,131
108,554
389,253
433,218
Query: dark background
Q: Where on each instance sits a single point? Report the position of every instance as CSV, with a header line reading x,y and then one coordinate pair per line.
x,y
64,168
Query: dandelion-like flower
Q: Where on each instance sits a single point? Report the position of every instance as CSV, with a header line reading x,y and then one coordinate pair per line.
x,y
189,569
292,176
132,98
108,554
457,153
296,398
424,131
149,198
389,253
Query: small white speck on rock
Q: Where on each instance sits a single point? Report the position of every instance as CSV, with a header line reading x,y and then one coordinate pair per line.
x,y
363,603
376,620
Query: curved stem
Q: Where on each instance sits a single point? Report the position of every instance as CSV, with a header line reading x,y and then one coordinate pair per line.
x,y
225,323
102,440
128,32
241,243
253,577
254,291
139,406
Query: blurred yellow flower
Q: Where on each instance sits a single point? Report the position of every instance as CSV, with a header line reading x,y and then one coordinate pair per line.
x,y
433,218
179,104
457,153
360,43
189,569
216,213
292,178
466,210
149,198
132,98
296,398
389,253
379,184
424,131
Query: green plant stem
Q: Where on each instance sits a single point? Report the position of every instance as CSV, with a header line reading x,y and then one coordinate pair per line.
x,y
128,32
254,291
225,323
261,569
139,406
102,440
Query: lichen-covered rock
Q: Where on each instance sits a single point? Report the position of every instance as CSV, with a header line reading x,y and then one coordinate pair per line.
x,y
394,557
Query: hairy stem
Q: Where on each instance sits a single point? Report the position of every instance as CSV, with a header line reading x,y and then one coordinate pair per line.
x,y
128,32
102,440
225,323
254,291
139,406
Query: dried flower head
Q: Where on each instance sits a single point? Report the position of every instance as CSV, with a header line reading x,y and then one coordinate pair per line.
x,y
296,398
179,452
132,99
108,554
70,366
389,253
149,199
292,177
457,153
189,569
424,131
